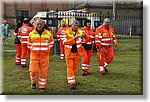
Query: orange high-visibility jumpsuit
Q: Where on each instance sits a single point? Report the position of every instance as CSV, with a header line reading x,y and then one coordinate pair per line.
x,y
18,51
23,33
60,37
104,39
72,58
18,46
87,48
39,56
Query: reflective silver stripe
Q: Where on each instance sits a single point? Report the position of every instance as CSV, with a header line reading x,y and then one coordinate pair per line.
x,y
29,43
33,77
107,39
69,81
42,79
23,62
18,36
61,54
98,41
85,68
24,36
42,83
62,36
39,43
79,45
98,36
84,65
91,36
115,40
88,65
61,57
89,43
50,46
37,48
78,42
106,44
114,36
70,77
99,33
68,46
23,59
101,68
24,42
18,58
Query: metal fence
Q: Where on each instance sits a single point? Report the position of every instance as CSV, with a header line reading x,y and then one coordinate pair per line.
x,y
126,26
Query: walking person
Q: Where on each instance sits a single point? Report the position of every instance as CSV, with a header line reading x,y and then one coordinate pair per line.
x,y
17,44
87,47
23,34
5,29
39,42
73,49
60,37
104,39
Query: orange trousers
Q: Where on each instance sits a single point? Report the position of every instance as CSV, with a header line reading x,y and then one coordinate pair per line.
x,y
105,56
86,57
61,50
23,53
38,68
18,54
72,63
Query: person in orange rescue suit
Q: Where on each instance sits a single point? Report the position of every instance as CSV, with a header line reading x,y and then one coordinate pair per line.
x,y
104,39
23,33
60,37
73,49
18,45
87,47
40,42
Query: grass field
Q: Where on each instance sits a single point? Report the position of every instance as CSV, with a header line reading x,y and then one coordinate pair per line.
x,y
125,77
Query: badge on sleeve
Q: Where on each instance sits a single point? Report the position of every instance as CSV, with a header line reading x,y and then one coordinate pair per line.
x,y
46,41
104,34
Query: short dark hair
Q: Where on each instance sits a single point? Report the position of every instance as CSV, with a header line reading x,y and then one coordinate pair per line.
x,y
87,21
25,20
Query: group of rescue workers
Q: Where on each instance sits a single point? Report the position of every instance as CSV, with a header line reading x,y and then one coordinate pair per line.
x,y
74,42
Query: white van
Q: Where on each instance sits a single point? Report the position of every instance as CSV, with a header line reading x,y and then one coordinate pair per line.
x,y
55,18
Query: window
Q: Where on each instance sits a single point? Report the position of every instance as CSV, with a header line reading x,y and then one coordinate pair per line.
x,y
21,14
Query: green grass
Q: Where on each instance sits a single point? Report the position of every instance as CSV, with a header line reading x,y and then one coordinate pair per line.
x,y
125,77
